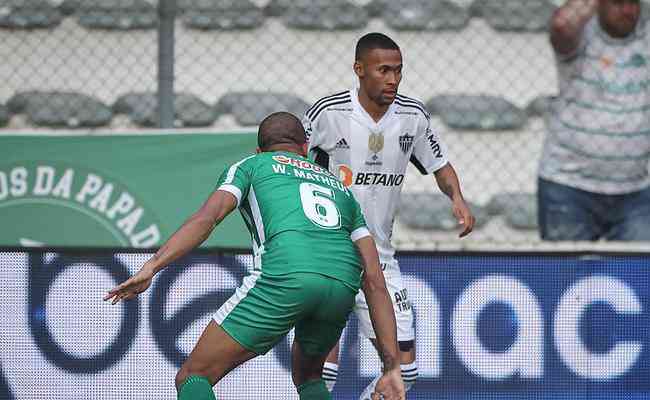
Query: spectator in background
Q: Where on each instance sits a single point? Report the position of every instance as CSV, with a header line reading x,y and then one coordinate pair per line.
x,y
593,177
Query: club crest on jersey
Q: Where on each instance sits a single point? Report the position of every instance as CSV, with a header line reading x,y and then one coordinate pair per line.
x,y
405,142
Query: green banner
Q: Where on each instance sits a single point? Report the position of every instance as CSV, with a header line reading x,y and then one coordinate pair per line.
x,y
113,191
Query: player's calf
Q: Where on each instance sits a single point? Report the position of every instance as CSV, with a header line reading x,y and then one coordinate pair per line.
x,y
409,369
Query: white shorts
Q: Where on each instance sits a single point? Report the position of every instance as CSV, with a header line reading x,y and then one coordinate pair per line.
x,y
401,305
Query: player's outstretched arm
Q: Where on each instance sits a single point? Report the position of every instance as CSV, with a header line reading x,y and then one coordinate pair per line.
x,y
390,385
192,233
448,182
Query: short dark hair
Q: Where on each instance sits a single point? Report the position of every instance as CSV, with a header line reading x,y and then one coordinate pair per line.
x,y
371,41
280,128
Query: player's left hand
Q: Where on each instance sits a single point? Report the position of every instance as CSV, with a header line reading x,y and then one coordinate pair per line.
x,y
130,288
390,386
464,216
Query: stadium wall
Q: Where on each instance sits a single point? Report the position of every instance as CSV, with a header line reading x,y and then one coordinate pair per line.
x,y
489,325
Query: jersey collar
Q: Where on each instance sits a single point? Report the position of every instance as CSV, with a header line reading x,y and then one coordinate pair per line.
x,y
361,115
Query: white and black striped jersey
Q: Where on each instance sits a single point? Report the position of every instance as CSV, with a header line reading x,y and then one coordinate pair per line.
x,y
371,157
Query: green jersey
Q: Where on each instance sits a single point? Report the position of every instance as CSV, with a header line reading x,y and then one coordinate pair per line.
x,y
301,217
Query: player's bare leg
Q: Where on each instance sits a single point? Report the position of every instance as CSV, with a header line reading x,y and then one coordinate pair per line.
x,y
331,368
213,356
306,374
407,363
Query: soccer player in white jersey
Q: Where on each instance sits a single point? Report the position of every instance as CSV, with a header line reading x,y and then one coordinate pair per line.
x,y
367,136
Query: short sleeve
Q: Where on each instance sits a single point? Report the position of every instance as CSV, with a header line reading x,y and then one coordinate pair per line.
x,y
359,227
429,151
237,179
316,139
312,134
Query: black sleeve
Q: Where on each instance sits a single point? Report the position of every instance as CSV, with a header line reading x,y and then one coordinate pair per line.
x,y
321,157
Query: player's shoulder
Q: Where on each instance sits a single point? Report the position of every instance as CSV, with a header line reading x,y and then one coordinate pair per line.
x,y
245,165
410,106
247,162
340,102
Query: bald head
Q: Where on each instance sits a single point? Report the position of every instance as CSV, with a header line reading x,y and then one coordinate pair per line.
x,y
280,129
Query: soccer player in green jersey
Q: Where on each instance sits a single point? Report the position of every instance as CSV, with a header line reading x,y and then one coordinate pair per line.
x,y
310,245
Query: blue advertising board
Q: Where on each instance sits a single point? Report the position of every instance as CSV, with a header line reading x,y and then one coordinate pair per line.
x,y
488,326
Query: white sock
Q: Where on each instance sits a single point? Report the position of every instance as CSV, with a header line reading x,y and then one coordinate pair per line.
x,y
409,374
330,373
369,389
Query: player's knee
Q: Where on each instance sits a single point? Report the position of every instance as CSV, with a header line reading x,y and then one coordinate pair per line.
x,y
330,374
409,374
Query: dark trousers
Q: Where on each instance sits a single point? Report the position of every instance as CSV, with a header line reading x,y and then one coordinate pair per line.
x,y
567,213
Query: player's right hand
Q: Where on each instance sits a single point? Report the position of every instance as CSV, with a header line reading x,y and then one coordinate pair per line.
x,y
464,215
133,286
390,386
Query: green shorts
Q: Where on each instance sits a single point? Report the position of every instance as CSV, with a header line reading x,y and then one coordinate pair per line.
x,y
265,308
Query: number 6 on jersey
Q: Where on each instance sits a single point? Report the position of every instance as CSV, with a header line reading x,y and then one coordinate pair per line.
x,y
318,205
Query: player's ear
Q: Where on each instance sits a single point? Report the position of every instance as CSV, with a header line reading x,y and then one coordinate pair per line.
x,y
358,69
304,148
258,150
